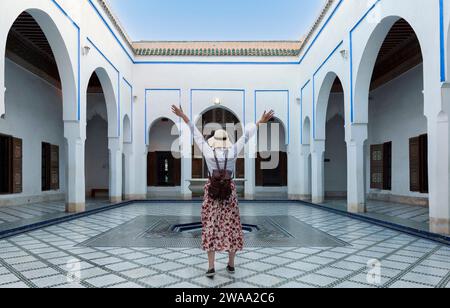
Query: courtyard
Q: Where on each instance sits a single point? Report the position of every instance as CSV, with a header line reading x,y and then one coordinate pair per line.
x,y
71,254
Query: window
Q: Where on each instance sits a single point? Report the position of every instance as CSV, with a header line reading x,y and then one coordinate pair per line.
x,y
418,164
10,165
50,167
381,166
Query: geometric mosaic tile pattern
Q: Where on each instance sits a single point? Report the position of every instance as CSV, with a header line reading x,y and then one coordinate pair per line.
x,y
52,257
161,231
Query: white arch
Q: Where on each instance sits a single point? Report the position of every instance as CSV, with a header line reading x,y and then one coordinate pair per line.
x,y
110,99
366,67
151,126
62,57
175,133
306,132
127,133
219,107
322,104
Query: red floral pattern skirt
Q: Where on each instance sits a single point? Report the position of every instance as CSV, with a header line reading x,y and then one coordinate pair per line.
x,y
222,228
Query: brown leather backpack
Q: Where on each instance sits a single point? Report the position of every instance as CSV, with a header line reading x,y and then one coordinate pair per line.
x,y
220,179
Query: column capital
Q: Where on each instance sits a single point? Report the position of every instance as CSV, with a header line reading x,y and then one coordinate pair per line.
x,y
305,149
2,101
128,148
356,133
114,144
318,146
74,130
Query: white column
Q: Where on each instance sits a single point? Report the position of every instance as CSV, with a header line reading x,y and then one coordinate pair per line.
x,y
186,162
115,170
141,174
304,172
318,175
356,183
250,165
129,176
2,86
439,165
439,181
75,170
293,171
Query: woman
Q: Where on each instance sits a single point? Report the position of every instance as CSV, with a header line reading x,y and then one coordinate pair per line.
x,y
222,228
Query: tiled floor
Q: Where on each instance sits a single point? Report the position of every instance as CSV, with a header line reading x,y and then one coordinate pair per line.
x,y
52,257
402,214
10,214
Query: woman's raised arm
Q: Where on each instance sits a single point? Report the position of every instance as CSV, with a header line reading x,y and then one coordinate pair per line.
x,y
198,137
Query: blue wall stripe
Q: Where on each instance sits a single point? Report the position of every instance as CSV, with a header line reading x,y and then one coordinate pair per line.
x,y
322,29
99,14
352,98
442,40
314,85
61,9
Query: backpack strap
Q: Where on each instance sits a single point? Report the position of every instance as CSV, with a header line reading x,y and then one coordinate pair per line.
x,y
217,161
226,160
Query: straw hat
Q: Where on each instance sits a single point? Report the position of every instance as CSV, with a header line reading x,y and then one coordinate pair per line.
x,y
221,140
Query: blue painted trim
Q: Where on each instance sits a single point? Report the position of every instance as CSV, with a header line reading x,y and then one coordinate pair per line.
x,y
61,9
314,85
301,110
442,40
119,116
288,128
352,98
322,29
99,14
146,108
79,75
102,54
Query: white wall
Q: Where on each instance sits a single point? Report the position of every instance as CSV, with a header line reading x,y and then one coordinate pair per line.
x,y
396,113
33,114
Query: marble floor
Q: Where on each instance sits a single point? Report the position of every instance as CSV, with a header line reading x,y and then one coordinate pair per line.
x,y
56,257
416,217
16,213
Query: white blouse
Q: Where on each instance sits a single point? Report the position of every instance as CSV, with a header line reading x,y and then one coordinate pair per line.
x,y
233,152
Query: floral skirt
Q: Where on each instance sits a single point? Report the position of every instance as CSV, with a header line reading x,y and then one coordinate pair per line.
x,y
222,228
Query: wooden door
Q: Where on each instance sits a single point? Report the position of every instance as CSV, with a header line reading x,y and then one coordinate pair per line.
x,y
17,156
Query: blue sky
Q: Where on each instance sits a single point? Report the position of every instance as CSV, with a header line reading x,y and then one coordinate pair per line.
x,y
216,19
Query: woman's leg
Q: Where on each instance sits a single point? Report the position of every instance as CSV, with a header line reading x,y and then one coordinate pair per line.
x,y
232,258
212,259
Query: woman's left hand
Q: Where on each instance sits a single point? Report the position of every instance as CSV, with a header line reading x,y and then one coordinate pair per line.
x,y
178,111
266,117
